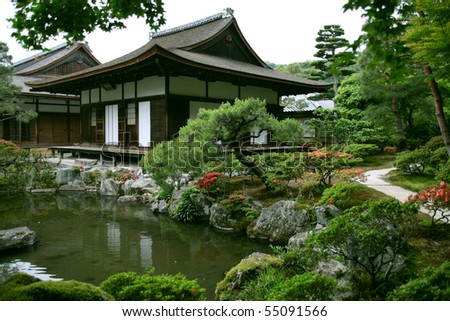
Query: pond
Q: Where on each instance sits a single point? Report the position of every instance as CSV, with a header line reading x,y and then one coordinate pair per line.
x,y
88,238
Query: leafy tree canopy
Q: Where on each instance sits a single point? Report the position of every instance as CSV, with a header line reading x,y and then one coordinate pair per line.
x,y
9,92
37,21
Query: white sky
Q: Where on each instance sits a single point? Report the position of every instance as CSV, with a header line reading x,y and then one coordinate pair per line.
x,y
282,31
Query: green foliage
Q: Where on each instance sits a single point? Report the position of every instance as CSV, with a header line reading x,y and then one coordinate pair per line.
x,y
281,169
260,288
433,284
343,195
241,209
342,126
304,287
170,160
129,286
9,92
185,211
361,150
371,240
414,162
332,48
35,22
288,131
210,137
305,69
20,169
25,288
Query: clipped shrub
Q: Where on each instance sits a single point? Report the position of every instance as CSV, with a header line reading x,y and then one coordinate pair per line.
x,y
26,288
432,285
186,211
413,162
305,287
435,143
129,286
343,195
443,172
361,150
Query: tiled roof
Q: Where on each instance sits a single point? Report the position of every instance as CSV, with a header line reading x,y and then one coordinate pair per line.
x,y
179,43
307,104
42,60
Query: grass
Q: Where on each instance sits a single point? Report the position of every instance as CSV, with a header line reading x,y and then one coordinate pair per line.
x,y
413,183
430,246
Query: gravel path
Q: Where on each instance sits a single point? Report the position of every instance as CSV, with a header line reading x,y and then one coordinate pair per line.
x,y
375,181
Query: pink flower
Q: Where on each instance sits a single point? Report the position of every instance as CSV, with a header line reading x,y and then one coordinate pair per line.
x,y
276,181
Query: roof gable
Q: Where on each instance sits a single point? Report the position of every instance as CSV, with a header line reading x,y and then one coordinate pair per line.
x,y
218,35
60,60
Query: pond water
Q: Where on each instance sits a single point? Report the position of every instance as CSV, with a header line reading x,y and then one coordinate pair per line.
x,y
87,238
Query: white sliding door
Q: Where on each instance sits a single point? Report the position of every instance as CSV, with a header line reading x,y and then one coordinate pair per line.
x,y
145,121
112,124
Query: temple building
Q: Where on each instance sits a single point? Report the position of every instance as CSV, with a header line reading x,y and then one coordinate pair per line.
x,y
58,121
144,97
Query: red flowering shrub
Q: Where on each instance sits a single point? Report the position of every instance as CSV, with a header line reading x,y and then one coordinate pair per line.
x,y
214,184
436,200
328,163
352,173
390,149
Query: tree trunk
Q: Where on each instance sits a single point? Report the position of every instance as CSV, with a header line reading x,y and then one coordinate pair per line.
x,y
397,116
438,106
335,85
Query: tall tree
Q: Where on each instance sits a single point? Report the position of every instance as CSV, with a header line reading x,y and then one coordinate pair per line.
x,y
427,29
331,47
9,92
36,21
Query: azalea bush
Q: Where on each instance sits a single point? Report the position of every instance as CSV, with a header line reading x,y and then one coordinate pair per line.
x,y
214,184
328,163
436,200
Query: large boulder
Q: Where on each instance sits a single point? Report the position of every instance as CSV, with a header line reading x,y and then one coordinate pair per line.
x,y
109,187
16,238
245,271
66,175
280,221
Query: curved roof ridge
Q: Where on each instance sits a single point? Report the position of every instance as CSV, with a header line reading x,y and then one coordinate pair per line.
x,y
226,13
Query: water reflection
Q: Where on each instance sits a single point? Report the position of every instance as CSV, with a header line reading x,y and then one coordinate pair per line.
x,y
87,239
15,266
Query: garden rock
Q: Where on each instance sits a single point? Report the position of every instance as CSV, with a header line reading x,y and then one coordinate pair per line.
x,y
299,240
16,238
279,222
338,271
66,175
202,203
127,199
244,271
74,186
324,214
109,187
